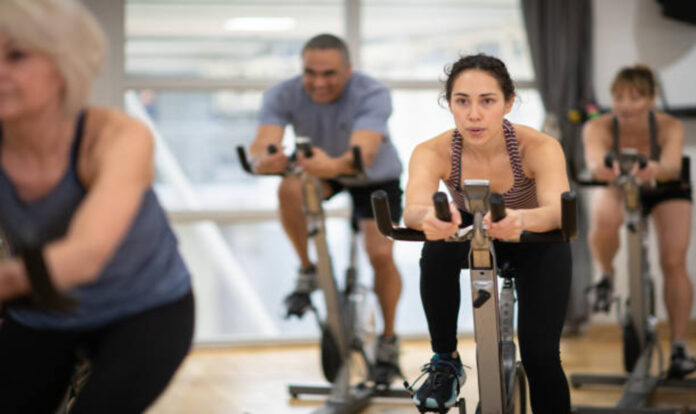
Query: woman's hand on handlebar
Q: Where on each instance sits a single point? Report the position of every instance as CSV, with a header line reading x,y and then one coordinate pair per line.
x,y
269,163
647,174
509,228
13,280
603,173
436,229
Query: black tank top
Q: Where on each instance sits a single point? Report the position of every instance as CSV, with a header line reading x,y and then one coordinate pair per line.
x,y
654,147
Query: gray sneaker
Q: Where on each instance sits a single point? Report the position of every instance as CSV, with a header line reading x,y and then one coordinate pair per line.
x,y
298,301
306,280
387,364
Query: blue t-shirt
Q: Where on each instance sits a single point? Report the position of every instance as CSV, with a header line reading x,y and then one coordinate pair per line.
x,y
365,104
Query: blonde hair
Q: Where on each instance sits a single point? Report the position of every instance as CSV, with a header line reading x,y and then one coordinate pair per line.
x,y
66,32
638,76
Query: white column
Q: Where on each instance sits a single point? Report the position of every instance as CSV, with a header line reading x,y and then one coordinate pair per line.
x,y
108,88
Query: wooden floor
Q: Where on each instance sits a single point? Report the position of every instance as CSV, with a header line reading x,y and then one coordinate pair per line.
x,y
253,380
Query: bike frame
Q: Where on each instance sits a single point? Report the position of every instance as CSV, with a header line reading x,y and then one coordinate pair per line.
x,y
493,314
343,397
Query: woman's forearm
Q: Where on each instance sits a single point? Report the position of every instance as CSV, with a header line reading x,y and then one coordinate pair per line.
x,y
414,215
541,219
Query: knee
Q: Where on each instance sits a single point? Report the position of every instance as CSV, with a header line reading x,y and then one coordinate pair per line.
x,y
380,256
289,192
538,359
673,265
604,224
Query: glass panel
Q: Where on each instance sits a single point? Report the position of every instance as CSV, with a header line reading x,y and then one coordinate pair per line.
x,y
224,39
415,39
203,129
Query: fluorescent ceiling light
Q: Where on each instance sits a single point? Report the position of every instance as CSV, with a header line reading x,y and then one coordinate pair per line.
x,y
260,24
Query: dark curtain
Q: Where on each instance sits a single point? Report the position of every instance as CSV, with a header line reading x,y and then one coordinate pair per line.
x,y
560,40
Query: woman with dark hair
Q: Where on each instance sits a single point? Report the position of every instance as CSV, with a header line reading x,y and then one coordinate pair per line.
x,y
76,202
528,168
659,137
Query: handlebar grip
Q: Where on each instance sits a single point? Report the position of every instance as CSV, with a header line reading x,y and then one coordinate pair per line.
x,y
272,149
642,162
357,160
497,206
241,153
380,207
569,222
609,161
442,211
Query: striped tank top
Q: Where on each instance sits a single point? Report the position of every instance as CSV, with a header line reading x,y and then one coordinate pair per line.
x,y
521,195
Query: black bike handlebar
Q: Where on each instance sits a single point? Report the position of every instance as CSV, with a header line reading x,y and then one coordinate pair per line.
x,y
442,211
358,165
496,203
568,231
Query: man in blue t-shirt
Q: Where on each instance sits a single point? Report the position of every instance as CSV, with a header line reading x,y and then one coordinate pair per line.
x,y
337,109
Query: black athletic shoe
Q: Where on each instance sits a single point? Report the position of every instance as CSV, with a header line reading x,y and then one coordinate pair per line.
x,y
440,390
603,295
681,363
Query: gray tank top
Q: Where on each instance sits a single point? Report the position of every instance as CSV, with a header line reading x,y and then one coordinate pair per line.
x,y
145,271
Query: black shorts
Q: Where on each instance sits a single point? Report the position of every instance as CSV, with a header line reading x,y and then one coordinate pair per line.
x,y
664,192
362,204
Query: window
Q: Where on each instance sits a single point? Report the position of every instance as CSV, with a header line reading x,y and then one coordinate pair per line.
x,y
198,71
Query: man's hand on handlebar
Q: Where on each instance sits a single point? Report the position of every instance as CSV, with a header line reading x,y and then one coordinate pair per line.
x,y
436,229
270,162
509,228
319,164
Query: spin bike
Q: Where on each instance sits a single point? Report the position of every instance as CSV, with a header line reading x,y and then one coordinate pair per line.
x,y
639,321
348,330
501,378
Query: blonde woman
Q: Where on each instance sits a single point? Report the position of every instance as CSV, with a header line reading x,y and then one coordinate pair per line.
x,y
659,137
75,182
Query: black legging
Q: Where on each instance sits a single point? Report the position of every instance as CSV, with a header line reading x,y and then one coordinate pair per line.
x,y
132,362
542,278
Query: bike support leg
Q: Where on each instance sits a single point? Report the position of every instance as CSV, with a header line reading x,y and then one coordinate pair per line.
x,y
342,397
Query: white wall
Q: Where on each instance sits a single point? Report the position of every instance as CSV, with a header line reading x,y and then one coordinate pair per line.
x,y
632,31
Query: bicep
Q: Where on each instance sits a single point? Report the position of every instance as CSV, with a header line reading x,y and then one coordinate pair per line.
x,y
423,177
673,147
550,173
116,192
597,143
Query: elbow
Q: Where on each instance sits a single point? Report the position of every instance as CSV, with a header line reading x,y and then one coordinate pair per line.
x,y
95,259
411,219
